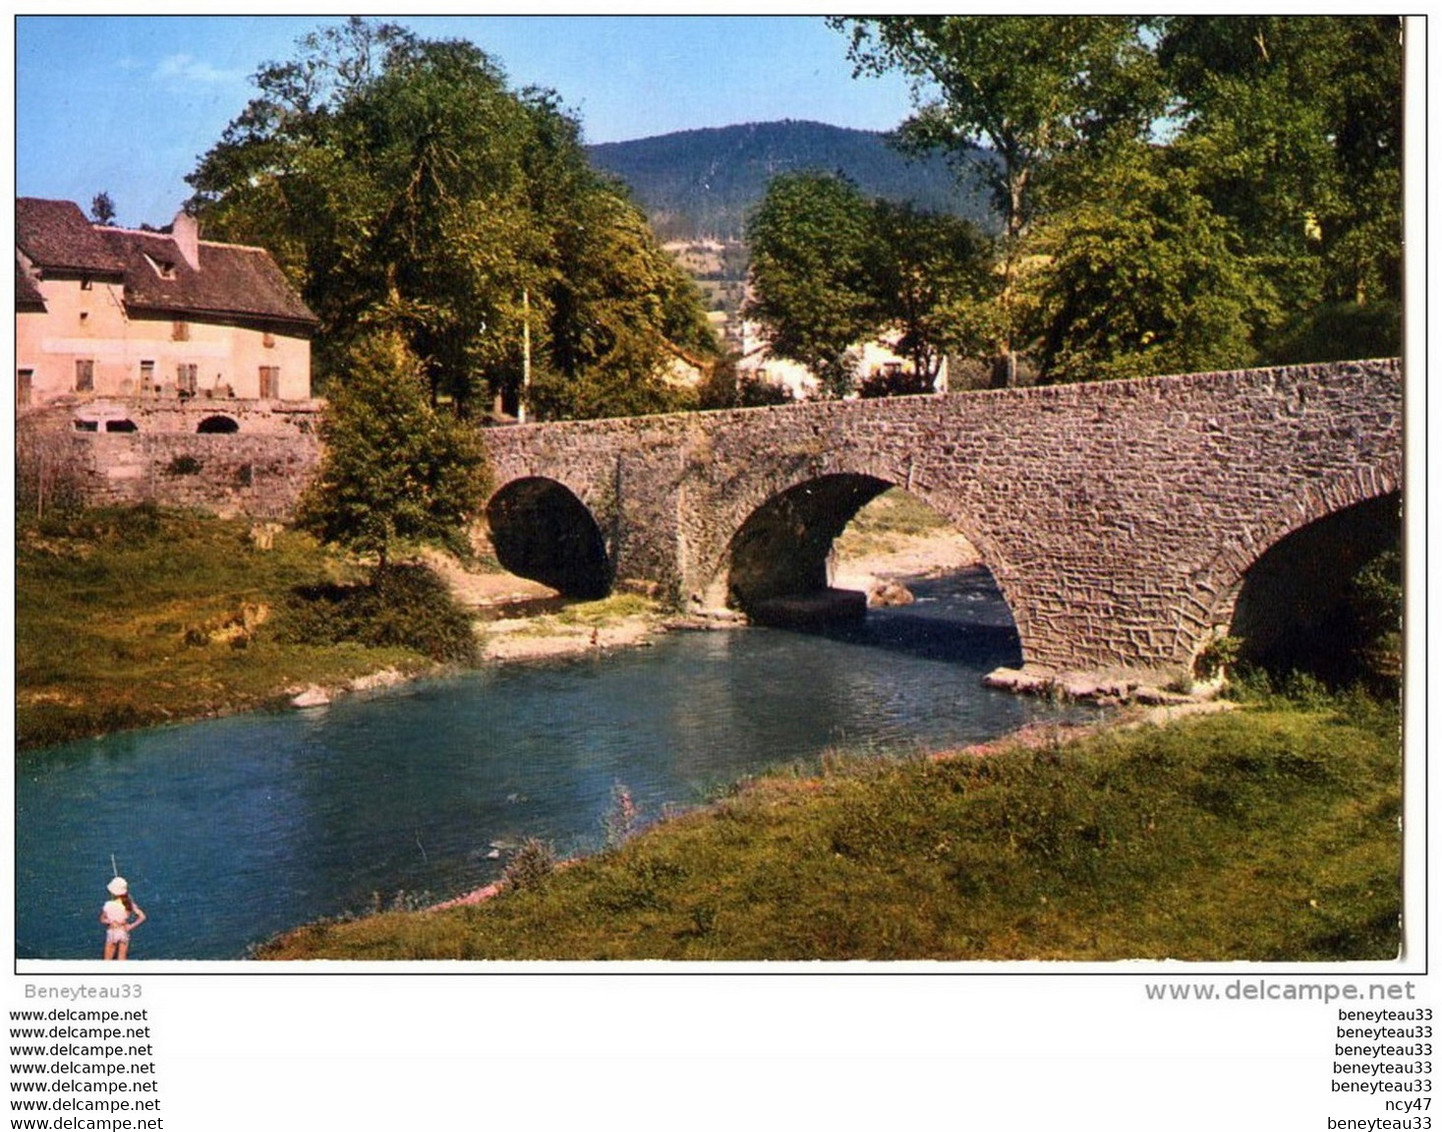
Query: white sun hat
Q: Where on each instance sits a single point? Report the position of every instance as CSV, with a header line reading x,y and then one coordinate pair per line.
x,y
117,887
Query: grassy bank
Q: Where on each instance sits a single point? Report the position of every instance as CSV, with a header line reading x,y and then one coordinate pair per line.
x,y
134,617
1264,834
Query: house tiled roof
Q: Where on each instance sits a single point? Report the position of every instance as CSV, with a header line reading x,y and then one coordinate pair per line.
x,y
26,293
232,282
55,234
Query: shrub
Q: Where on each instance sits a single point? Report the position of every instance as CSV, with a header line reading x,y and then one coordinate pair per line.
x,y
184,465
619,821
48,481
406,605
1216,655
533,861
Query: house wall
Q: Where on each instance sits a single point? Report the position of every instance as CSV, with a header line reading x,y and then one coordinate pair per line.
x,y
77,323
81,324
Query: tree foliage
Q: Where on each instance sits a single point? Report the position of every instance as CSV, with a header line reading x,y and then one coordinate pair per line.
x,y
395,469
404,187
102,208
810,246
1179,191
831,269
1029,88
1141,277
1293,126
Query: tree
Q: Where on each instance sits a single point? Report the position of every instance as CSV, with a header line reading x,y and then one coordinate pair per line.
x,y
811,250
1294,128
1138,275
102,208
931,279
1030,88
394,468
405,187
831,269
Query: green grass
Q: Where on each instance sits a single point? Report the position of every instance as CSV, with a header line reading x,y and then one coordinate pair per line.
x,y
884,523
606,610
114,609
1268,833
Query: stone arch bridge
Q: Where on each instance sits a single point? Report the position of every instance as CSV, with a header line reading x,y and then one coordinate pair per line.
x,y
1119,518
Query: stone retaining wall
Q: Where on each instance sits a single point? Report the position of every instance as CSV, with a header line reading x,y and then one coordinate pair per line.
x,y
259,470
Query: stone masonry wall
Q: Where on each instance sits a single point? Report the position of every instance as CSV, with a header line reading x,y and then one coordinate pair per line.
x,y
1117,517
258,471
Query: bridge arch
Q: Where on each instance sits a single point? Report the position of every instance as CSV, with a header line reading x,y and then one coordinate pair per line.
x,y
1344,515
784,545
542,530
783,536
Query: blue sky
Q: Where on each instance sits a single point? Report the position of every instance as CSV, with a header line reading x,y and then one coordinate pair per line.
x,y
127,104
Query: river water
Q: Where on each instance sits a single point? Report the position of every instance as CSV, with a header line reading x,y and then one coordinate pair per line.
x,y
232,830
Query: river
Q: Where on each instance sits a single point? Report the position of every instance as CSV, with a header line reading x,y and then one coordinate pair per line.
x,y
232,830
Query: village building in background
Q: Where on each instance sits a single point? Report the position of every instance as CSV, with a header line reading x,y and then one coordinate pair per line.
x,y
871,361
163,316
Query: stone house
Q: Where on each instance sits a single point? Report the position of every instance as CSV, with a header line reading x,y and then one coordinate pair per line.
x,y
112,313
872,359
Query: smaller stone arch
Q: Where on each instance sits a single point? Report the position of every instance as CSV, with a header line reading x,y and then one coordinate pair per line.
x,y
782,547
218,423
541,530
1216,588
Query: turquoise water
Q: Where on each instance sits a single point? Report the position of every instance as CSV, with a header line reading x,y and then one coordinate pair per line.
x,y
232,830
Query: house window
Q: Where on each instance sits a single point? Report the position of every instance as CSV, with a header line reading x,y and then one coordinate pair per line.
x,y
270,381
180,332
85,283
185,379
147,376
24,386
84,375
267,340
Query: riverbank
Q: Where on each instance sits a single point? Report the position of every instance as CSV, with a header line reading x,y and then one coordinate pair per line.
x,y
139,617
1269,834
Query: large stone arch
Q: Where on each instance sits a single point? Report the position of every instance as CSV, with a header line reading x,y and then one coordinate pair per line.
x,y
855,478
1216,587
542,530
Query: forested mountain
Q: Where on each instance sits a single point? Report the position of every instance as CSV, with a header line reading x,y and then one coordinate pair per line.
x,y
704,182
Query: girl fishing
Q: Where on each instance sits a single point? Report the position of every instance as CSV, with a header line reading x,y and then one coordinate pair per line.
x,y
120,915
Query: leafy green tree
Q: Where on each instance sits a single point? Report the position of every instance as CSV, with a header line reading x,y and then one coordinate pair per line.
x,y
620,312
931,279
405,187
1029,88
394,468
831,269
1293,125
1140,276
811,251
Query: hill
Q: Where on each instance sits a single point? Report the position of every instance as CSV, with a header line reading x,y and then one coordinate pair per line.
x,y
703,183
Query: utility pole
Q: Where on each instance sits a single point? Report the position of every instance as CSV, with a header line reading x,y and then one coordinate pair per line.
x,y
525,356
